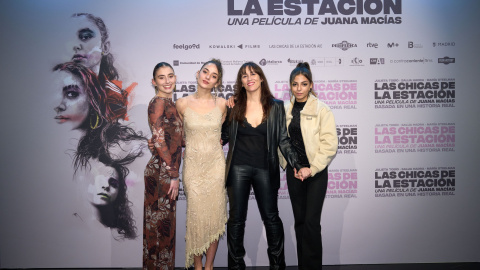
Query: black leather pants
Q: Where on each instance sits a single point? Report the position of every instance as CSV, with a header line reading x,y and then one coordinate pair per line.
x,y
241,178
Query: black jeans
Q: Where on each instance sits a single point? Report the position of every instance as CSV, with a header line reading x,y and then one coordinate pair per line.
x,y
241,178
307,201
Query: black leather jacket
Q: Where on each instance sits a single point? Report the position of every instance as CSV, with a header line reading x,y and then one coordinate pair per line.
x,y
277,137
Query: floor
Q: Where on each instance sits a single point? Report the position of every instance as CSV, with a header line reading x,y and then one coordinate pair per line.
x,y
417,266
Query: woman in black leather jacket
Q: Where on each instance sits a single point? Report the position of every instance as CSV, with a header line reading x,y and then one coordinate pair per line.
x,y
255,128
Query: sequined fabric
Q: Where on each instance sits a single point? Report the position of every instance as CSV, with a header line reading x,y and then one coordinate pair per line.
x,y
203,181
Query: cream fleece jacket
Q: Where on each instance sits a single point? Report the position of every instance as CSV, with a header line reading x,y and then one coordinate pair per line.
x,y
319,133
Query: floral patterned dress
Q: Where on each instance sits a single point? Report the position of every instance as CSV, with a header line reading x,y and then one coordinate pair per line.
x,y
159,211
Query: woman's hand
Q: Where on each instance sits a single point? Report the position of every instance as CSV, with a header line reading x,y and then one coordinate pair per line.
x,y
231,102
173,191
303,173
296,174
151,146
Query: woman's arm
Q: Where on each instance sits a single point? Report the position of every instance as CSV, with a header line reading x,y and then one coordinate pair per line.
x,y
226,127
284,143
168,146
328,143
286,148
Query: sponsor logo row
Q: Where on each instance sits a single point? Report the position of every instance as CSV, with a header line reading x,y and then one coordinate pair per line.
x,y
334,61
343,45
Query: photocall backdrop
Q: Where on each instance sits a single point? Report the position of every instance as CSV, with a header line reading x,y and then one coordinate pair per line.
x,y
401,77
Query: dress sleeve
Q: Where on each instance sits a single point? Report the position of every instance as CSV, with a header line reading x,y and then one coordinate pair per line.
x,y
166,135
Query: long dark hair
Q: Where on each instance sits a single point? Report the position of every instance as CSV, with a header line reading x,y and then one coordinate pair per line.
x,y
119,215
238,112
107,70
102,129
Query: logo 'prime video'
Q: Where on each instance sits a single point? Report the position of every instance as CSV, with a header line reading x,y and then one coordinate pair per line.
x,y
186,47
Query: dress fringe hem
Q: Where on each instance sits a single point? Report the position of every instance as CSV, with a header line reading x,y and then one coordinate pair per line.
x,y
201,250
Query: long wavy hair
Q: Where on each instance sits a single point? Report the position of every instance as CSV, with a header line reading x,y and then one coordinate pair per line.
x,y
238,112
102,129
107,70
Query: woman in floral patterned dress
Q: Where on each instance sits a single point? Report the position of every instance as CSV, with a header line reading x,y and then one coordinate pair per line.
x,y
161,173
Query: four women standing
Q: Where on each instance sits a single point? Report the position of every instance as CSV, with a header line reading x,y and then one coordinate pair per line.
x,y
255,129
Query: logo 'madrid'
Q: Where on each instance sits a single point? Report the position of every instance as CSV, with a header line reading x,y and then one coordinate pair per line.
x,y
443,44
344,45
446,60
377,61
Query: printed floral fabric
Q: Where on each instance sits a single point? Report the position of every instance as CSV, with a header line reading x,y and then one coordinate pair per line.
x,y
159,211
203,181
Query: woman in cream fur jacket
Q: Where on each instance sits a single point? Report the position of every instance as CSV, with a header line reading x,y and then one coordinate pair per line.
x,y
311,128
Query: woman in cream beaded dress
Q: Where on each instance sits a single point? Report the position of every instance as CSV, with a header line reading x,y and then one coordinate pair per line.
x,y
204,167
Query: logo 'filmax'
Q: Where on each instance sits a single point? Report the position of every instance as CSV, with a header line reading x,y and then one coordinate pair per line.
x,y
344,45
186,46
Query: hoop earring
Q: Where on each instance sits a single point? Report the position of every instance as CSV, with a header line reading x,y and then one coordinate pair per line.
x,y
96,122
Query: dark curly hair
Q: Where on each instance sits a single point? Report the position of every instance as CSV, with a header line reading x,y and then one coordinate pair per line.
x,y
102,129
119,214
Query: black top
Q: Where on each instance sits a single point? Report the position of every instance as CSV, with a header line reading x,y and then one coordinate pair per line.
x,y
296,134
277,137
251,145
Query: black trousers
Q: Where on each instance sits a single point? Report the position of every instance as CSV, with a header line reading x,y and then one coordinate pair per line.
x,y
241,178
307,199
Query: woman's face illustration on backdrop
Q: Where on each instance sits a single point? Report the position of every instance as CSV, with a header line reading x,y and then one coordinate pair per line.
x,y
73,106
86,44
103,184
